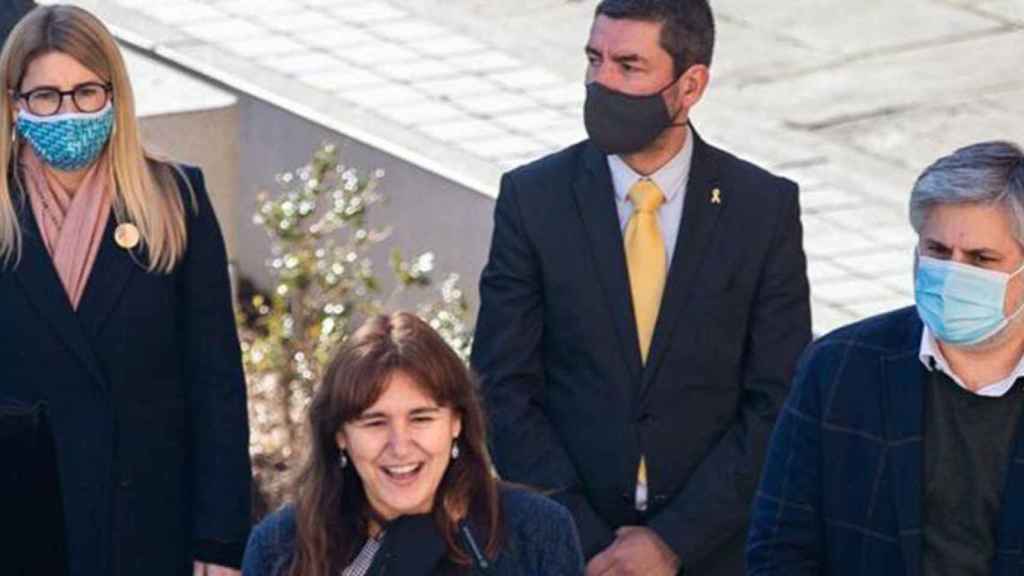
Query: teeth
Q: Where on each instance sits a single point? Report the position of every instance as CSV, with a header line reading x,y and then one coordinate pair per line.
x,y
401,469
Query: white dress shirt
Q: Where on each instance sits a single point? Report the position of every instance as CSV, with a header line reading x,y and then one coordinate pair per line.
x,y
931,356
670,178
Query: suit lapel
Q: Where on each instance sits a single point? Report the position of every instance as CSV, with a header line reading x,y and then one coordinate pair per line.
x,y
113,268
700,215
595,199
903,393
38,278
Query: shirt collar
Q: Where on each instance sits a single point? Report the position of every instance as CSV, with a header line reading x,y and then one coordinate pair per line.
x,y
931,356
670,178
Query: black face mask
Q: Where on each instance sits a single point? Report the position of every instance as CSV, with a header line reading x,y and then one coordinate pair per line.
x,y
620,123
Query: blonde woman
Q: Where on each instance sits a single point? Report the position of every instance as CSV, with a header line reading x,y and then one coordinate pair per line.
x,y
115,313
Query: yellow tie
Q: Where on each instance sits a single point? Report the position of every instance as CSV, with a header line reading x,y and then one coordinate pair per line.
x,y
645,260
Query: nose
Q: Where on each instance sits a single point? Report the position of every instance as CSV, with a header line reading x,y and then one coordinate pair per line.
x,y
399,441
600,72
67,104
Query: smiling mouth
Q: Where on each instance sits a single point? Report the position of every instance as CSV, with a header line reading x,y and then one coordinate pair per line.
x,y
402,473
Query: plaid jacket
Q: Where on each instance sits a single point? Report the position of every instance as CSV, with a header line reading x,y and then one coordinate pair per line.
x,y
842,487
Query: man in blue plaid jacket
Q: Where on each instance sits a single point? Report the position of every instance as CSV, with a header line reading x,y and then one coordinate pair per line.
x,y
900,450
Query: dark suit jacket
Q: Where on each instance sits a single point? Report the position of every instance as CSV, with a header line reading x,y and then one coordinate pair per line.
x,y
842,486
11,12
571,405
146,396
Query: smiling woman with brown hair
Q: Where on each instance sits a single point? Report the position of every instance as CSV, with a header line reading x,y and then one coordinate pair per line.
x,y
398,478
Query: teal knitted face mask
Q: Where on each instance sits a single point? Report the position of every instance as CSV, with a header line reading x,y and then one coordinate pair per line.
x,y
67,141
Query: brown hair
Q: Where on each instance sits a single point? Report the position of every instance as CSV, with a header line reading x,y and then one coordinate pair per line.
x,y
687,32
146,193
332,513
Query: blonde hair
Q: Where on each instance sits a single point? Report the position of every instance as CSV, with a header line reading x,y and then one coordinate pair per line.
x,y
146,193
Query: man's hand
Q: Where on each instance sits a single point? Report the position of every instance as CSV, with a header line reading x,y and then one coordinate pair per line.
x,y
204,569
637,551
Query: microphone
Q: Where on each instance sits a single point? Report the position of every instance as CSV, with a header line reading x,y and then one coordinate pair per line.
x,y
483,565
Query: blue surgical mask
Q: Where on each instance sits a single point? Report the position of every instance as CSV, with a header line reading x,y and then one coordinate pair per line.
x,y
961,304
67,141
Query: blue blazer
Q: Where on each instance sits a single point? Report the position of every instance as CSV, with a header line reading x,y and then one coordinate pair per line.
x,y
145,391
842,486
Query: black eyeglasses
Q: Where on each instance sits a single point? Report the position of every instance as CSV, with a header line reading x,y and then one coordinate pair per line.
x,y
88,97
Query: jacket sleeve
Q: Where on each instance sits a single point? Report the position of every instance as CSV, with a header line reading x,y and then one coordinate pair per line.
x,y
786,528
258,557
558,544
219,461
714,505
508,356
271,545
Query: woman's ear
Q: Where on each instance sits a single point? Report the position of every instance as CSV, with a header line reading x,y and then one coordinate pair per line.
x,y
456,425
339,438
12,105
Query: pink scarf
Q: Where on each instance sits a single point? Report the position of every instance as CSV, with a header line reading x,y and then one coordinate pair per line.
x,y
72,221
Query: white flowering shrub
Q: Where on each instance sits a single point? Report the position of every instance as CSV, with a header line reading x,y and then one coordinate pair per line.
x,y
324,286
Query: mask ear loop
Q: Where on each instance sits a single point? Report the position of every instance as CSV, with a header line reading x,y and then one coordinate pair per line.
x,y
1002,325
113,129
15,145
14,117
1007,320
1017,271
1016,313
665,89
1020,307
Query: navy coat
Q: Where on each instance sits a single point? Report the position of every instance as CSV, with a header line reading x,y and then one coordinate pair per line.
x,y
842,486
146,396
539,539
32,536
571,405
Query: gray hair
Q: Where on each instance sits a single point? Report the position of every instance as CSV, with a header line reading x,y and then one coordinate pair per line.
x,y
984,173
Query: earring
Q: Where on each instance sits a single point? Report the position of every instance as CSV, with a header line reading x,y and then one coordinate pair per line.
x,y
342,460
455,450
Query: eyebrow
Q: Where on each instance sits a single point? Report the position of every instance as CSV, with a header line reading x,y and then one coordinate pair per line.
x,y
935,244
40,87
415,412
629,58
59,89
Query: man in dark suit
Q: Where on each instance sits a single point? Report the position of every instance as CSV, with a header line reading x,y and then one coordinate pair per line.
x,y
11,11
642,309
900,450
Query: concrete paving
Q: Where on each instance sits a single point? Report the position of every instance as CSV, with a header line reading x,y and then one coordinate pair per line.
x,y
851,99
